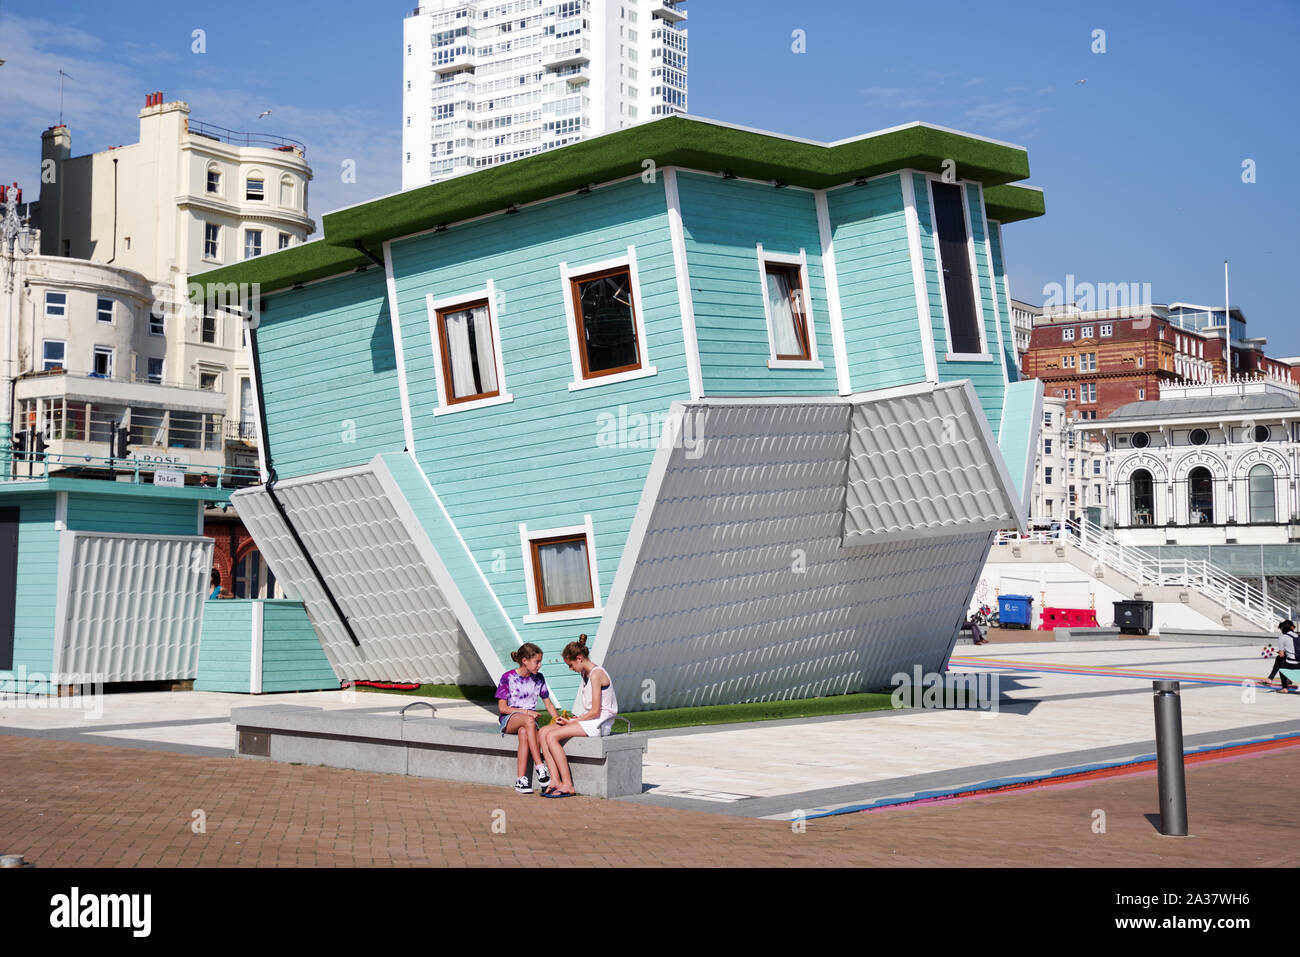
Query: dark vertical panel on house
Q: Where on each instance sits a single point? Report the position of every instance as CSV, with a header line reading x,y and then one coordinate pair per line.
x,y
8,584
950,221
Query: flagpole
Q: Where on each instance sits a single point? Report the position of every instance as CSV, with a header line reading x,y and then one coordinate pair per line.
x,y
1227,319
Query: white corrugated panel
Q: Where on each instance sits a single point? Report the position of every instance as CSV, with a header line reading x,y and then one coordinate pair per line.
x,y
923,464
743,587
132,606
370,560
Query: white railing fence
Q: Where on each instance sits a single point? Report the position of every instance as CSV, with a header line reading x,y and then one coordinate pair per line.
x,y
1240,598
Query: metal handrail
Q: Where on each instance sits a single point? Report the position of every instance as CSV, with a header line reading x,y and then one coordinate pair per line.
x,y
1237,596
416,704
235,138
19,466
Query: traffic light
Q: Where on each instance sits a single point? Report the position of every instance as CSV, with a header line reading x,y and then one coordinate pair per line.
x,y
120,436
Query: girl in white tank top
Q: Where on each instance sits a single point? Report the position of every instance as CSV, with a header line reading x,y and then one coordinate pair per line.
x,y
596,707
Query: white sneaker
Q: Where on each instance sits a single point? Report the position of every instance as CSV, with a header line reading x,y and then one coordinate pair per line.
x,y
522,786
543,775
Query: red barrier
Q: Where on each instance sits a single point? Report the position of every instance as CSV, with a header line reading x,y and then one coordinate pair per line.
x,y
1069,618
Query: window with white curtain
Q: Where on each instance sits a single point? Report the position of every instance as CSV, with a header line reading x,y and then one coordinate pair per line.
x,y
785,302
561,573
468,359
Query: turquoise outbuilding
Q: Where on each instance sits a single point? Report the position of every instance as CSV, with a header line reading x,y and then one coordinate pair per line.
x,y
740,407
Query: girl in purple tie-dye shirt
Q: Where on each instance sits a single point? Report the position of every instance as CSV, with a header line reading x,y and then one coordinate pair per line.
x,y
517,695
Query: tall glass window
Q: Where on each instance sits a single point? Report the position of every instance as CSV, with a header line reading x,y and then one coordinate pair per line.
x,y
1142,487
1263,505
1200,495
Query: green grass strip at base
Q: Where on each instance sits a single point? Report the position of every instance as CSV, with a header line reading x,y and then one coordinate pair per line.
x,y
755,711
468,692
688,717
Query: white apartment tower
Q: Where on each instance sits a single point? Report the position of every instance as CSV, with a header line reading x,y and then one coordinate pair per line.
x,y
486,82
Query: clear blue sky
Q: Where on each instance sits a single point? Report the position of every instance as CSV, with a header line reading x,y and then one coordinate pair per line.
x,y
1141,164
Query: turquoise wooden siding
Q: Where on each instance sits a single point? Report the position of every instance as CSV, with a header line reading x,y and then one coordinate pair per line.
x,y
37,583
1020,428
1000,287
329,375
724,220
225,646
292,658
124,513
877,296
987,376
538,459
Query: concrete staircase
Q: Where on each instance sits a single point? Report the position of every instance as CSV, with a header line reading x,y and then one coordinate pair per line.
x,y
1213,593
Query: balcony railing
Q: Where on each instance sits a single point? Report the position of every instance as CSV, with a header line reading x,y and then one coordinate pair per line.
x,y
29,466
234,138
133,378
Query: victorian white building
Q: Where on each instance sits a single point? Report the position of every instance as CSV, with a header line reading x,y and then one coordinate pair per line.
x,y
1023,315
487,81
184,199
1208,464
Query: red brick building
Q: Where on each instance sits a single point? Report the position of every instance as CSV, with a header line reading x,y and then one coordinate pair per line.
x,y
244,573
1099,361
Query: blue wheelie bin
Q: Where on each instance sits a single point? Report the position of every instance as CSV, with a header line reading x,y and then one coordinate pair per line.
x,y
1015,610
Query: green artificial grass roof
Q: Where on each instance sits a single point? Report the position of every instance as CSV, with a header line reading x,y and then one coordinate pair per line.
x,y
1008,203
672,141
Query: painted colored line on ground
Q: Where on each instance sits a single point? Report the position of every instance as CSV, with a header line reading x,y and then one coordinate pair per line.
x,y
1075,775
996,664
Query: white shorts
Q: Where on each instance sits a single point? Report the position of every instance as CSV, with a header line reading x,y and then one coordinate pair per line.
x,y
595,729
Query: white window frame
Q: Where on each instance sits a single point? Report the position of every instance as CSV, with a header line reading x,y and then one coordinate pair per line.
x,y
63,364
489,293
801,261
567,275
1142,394
1142,362
97,351
63,314
1107,330
284,242
216,256
1085,332
526,538
99,311
983,355
287,181
260,248
249,177
1067,335
162,370
221,179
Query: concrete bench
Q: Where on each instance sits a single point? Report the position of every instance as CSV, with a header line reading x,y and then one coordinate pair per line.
x,y
423,745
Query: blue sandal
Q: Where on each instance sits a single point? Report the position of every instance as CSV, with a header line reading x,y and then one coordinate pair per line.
x,y
558,794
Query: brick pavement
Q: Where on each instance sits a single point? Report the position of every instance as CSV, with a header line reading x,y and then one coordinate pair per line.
x,y
71,804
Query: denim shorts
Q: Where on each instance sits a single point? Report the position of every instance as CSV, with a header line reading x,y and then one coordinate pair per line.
x,y
505,718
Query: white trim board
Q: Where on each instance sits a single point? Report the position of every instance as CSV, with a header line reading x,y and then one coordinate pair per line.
x,y
526,538
919,282
685,299
408,430
831,276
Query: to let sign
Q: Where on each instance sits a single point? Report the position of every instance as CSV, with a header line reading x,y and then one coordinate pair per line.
x,y
172,479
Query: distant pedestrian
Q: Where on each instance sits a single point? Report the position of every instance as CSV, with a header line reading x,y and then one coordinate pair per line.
x,y
1286,657
976,632
214,582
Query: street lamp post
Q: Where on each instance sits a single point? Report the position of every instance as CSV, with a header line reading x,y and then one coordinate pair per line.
x,y
15,233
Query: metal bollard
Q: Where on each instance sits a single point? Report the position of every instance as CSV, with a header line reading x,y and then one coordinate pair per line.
x,y
1169,759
